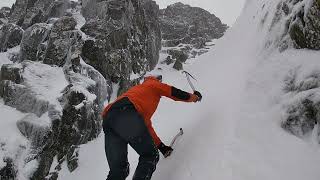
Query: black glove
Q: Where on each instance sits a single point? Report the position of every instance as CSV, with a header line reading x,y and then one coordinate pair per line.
x,y
197,93
165,150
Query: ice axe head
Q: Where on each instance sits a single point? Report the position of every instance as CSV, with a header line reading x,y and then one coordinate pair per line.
x,y
188,75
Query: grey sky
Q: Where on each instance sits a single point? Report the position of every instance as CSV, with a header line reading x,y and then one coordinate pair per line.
x,y
6,2
226,10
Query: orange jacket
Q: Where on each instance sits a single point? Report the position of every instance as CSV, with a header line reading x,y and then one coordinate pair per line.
x,y
146,97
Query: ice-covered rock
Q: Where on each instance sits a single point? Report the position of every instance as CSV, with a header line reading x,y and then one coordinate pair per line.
x,y
11,72
20,97
303,106
295,24
35,129
25,13
80,122
64,106
10,36
4,12
305,27
63,41
31,41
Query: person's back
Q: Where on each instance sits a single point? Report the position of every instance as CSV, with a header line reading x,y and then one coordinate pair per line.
x,y
128,121
145,97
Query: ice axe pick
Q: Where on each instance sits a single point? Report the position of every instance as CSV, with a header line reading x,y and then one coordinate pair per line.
x,y
188,75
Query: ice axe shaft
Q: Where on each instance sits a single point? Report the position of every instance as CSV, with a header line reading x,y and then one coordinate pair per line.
x,y
176,137
188,75
172,143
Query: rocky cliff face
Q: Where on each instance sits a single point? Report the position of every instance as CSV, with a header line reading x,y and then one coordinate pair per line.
x,y
25,13
62,75
51,83
186,30
125,38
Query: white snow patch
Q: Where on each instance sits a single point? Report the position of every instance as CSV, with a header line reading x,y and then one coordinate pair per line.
x,y
12,143
29,169
43,121
89,96
4,59
114,95
46,81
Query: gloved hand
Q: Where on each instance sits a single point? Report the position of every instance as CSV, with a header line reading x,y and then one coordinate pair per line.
x,y
197,93
165,150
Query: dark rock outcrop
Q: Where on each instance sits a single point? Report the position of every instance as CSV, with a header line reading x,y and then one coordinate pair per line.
x,y
182,23
31,42
305,28
4,12
25,13
9,171
10,36
11,72
63,41
127,38
186,31
178,65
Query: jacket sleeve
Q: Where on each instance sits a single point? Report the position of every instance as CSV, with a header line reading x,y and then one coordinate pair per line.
x,y
175,93
154,135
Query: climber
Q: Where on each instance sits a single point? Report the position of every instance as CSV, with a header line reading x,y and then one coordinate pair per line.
x,y
128,121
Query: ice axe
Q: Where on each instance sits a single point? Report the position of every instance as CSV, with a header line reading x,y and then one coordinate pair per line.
x,y
176,137
180,133
188,75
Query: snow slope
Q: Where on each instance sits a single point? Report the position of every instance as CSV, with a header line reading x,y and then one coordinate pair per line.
x,y
234,133
12,142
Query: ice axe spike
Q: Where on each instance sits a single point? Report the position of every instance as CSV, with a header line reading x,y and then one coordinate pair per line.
x,y
188,75
176,137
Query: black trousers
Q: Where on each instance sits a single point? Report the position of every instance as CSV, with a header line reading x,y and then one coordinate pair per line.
x,y
123,125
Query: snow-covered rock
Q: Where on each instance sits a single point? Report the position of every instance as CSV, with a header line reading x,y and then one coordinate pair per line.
x,y
294,24
10,36
302,100
35,129
11,72
26,13
31,41
63,106
4,12
64,40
